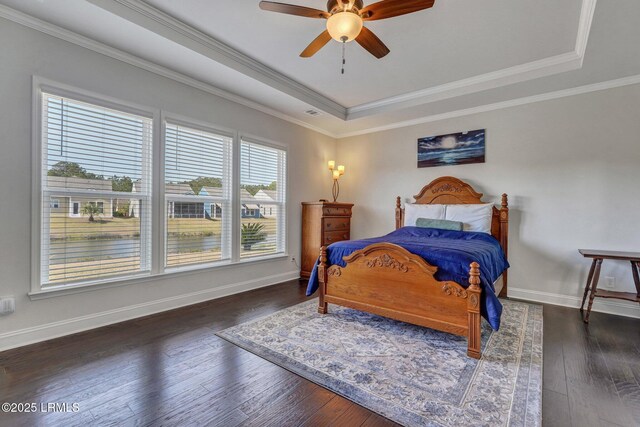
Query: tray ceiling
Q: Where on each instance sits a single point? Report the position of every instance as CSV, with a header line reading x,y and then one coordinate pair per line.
x,y
454,40
459,55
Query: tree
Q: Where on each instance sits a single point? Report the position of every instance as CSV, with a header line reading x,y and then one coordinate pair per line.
x,y
254,188
71,169
91,209
122,183
251,234
203,181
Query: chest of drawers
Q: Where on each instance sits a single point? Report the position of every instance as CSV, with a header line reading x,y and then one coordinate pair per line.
x,y
323,223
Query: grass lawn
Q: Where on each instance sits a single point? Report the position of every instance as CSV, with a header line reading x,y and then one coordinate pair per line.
x,y
63,227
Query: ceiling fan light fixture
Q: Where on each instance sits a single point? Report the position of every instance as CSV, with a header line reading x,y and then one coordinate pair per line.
x,y
343,25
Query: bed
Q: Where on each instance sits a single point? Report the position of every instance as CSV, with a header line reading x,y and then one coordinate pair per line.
x,y
396,281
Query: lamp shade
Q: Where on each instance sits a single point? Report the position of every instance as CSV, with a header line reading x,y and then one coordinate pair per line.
x,y
331,164
341,169
336,174
344,26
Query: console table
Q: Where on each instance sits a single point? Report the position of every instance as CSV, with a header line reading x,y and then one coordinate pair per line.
x,y
591,287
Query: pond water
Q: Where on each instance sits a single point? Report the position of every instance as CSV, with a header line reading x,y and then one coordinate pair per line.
x,y
65,251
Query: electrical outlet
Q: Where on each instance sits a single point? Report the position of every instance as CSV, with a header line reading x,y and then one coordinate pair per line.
x,y
610,282
7,305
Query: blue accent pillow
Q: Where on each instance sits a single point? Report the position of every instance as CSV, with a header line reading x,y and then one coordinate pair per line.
x,y
441,224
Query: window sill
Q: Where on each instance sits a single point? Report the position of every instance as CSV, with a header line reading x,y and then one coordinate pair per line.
x,y
262,258
56,291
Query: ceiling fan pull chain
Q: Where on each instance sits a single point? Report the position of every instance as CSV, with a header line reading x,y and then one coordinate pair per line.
x,y
344,44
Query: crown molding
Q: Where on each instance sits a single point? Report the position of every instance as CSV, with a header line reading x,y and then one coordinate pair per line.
x,y
584,26
167,26
532,70
586,19
610,84
519,73
87,43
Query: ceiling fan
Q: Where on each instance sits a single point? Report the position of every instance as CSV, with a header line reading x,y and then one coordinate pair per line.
x,y
345,19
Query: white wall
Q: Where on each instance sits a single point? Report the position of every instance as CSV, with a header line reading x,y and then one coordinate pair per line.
x,y
24,53
571,167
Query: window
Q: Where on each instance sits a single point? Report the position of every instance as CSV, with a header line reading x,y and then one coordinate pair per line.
x,y
108,172
93,158
197,196
97,207
262,199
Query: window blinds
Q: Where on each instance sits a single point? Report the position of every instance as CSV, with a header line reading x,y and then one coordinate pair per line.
x,y
197,196
262,199
96,170
96,200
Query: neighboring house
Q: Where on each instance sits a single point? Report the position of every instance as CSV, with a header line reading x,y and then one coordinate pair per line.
x,y
182,209
249,208
134,204
265,196
196,209
73,206
269,195
212,210
175,208
122,206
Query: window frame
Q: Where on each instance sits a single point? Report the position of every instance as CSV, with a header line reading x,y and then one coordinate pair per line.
x,y
156,197
179,120
99,205
72,210
283,222
40,87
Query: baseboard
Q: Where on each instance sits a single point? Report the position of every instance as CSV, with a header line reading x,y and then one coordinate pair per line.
x,y
49,331
618,307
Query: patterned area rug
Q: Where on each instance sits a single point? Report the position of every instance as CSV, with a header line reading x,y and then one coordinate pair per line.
x,y
412,375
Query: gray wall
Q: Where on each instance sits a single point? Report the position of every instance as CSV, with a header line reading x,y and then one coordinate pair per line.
x,y
26,52
570,167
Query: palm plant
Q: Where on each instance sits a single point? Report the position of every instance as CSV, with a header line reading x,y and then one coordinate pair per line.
x,y
91,209
251,234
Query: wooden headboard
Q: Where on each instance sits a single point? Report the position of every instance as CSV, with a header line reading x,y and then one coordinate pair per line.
x,y
448,190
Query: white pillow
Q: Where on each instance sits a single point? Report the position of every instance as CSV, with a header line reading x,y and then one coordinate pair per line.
x,y
413,212
474,217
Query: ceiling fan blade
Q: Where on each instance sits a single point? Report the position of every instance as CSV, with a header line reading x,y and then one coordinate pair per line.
x,y
316,44
292,9
390,8
372,43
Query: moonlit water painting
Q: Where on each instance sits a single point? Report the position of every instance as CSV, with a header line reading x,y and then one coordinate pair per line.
x,y
453,149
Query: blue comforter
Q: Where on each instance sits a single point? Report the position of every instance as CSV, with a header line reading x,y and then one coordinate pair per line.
x,y
450,251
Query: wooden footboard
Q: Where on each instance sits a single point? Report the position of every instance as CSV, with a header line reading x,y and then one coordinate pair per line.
x,y
386,279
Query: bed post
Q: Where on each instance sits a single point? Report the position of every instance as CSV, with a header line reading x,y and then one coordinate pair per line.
x,y
504,239
322,279
473,310
399,219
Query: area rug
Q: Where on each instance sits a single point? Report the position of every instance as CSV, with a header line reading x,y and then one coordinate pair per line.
x,y
412,375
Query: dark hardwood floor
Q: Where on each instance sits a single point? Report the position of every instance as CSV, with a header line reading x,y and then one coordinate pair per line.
x,y
590,373
170,369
